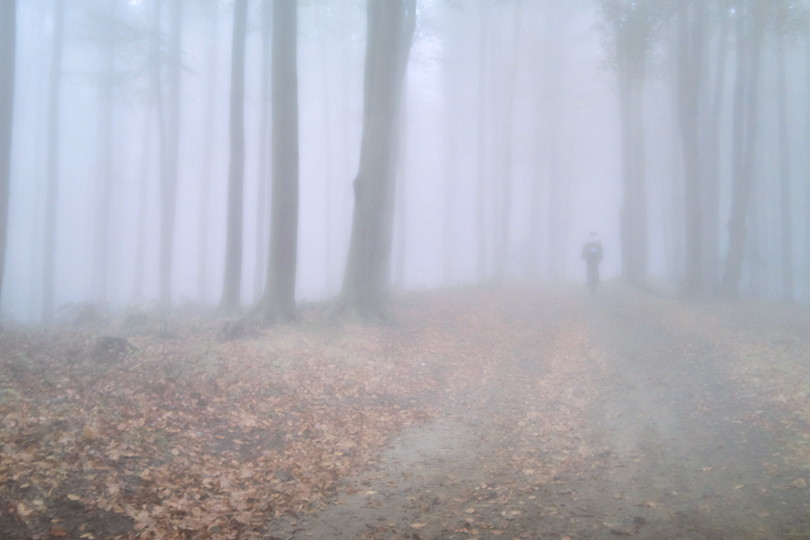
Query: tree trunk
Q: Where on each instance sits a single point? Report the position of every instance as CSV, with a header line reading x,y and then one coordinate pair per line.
x,y
450,130
784,167
212,77
481,167
634,211
745,138
501,247
279,298
263,176
171,155
328,161
106,149
553,69
231,288
400,208
143,181
690,63
807,153
51,193
711,161
390,30
8,42
166,222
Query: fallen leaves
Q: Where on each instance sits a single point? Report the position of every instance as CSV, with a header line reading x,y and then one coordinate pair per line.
x,y
192,434
188,436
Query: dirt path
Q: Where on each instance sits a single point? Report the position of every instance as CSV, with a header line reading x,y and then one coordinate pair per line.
x,y
587,418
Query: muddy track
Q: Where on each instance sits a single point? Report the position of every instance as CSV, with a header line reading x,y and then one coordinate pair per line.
x,y
600,420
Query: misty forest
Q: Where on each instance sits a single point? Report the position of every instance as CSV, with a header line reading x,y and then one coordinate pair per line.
x,y
427,269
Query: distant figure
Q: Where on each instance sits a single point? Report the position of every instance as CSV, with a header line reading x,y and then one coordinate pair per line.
x,y
592,253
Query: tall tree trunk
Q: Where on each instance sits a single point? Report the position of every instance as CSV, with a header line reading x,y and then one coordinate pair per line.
x,y
711,161
172,150
501,247
231,288
263,176
8,45
279,297
690,62
807,153
328,161
450,98
553,70
746,128
784,165
143,181
206,174
106,149
481,167
51,193
634,211
390,30
166,221
400,208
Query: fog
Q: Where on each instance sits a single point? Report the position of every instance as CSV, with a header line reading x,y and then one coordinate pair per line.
x,y
404,268
510,150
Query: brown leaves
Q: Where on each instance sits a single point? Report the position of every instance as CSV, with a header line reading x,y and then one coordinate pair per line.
x,y
192,434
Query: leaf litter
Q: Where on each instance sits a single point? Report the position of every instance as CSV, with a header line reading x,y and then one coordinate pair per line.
x,y
178,434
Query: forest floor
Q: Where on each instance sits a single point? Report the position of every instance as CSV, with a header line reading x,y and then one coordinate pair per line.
x,y
472,413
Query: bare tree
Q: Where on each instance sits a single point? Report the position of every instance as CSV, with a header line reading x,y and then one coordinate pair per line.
x,y
51,191
171,144
504,210
106,159
390,31
206,174
630,28
8,46
481,158
710,177
278,302
231,288
691,44
745,131
791,19
166,212
262,207
784,160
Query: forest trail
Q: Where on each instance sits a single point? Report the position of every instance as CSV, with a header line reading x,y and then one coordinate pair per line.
x,y
595,417
474,413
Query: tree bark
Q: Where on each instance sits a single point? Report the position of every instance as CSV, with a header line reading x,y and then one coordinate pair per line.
x,y
366,280
105,155
143,181
8,43
231,288
206,174
745,138
711,161
806,207
501,247
278,303
166,221
481,177
171,156
328,150
634,211
785,211
262,207
51,190
400,208
632,29
690,62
